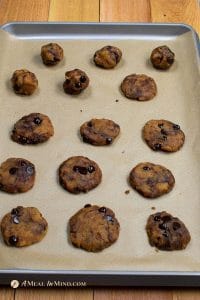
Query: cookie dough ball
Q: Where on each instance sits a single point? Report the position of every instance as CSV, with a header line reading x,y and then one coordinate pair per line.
x,y
79,174
166,232
23,226
151,180
99,132
162,58
163,135
51,54
32,129
139,87
75,82
107,57
17,175
94,228
24,82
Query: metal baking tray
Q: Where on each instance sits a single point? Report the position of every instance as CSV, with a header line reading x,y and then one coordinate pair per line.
x,y
119,31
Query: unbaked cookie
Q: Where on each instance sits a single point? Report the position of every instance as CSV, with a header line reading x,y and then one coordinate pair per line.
x,y
99,132
24,82
75,82
151,180
23,226
162,58
107,57
93,228
139,87
17,175
163,135
32,129
79,174
51,54
166,232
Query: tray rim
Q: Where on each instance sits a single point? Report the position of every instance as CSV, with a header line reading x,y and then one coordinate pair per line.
x,y
105,277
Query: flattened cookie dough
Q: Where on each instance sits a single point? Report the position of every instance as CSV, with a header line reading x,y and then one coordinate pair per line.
x,y
93,228
162,58
99,132
75,82
24,82
151,180
107,57
51,54
163,135
17,175
79,174
139,87
23,226
32,129
166,232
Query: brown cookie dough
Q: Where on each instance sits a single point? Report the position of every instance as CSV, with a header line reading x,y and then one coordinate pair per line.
x,y
99,132
93,228
79,174
51,54
151,180
162,58
23,226
17,175
139,87
166,232
32,129
163,135
24,82
75,82
107,57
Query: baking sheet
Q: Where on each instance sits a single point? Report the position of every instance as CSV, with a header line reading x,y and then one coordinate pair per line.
x,y
177,100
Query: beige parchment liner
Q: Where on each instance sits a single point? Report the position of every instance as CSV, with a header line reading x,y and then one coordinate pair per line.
x,y
177,100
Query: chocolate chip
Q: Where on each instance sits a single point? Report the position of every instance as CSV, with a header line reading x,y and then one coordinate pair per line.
x,y
81,170
166,219
165,234
157,218
109,218
164,137
176,226
102,209
160,125
163,226
116,100
14,211
15,219
108,140
146,168
89,124
13,240
157,146
23,163
176,127
67,81
13,171
163,131
16,88
87,205
22,139
29,170
170,60
83,79
91,169
37,121
78,85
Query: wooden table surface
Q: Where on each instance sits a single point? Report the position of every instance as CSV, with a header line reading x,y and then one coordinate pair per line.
x,y
181,11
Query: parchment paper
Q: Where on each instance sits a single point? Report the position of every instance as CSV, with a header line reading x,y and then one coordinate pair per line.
x,y
177,100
